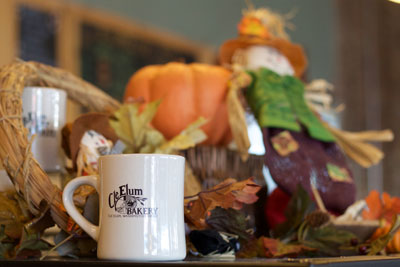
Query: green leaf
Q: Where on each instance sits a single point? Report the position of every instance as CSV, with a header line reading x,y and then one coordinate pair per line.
x,y
327,240
230,221
330,234
299,205
31,241
380,243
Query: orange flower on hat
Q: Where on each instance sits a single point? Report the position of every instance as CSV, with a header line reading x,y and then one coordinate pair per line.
x,y
263,27
252,26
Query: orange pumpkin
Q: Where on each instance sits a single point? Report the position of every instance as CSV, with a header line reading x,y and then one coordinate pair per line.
x,y
187,91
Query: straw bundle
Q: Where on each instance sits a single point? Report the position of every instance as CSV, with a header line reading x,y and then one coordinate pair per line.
x,y
356,147
25,172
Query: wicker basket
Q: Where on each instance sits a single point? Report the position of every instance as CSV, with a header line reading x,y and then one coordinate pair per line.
x,y
25,172
213,164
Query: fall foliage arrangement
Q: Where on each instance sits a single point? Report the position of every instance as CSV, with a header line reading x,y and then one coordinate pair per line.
x,y
175,107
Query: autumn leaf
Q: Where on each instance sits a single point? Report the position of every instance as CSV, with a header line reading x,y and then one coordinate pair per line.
x,y
30,245
188,138
380,243
327,241
6,244
381,208
227,194
132,126
20,232
134,130
252,249
229,221
274,248
13,214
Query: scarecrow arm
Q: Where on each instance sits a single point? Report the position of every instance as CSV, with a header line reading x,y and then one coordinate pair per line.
x,y
356,147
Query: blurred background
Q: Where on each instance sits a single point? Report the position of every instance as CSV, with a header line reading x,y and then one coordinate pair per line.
x,y
354,44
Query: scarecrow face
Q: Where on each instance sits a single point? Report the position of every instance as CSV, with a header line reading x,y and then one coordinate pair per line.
x,y
268,57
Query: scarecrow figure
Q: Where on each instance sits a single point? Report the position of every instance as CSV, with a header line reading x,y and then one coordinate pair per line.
x,y
300,147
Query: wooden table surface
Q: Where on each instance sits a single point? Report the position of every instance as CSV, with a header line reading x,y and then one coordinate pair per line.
x,y
364,261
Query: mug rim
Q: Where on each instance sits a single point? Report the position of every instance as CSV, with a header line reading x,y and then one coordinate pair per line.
x,y
142,155
52,89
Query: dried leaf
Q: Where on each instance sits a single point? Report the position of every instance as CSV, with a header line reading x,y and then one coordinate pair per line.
x,y
327,240
229,221
42,221
131,126
227,194
30,241
135,131
188,138
274,248
6,251
10,209
378,208
28,253
380,243
14,213
252,249
6,245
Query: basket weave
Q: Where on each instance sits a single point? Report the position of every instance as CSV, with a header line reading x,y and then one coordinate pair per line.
x,y
213,164
25,172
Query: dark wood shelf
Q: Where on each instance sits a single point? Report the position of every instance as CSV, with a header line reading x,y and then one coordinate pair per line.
x,y
365,261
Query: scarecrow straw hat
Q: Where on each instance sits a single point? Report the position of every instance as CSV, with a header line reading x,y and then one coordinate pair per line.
x,y
263,27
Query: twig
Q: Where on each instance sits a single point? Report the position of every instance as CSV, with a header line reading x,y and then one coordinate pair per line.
x,y
317,196
57,246
209,191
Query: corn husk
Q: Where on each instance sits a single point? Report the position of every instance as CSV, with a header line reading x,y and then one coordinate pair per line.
x,y
236,114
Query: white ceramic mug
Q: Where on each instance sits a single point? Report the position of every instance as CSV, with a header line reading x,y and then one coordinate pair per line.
x,y
141,207
44,114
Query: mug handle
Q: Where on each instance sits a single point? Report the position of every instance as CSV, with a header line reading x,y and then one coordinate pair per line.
x,y
69,205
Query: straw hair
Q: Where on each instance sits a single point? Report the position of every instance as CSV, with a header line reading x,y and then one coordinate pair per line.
x,y
29,179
